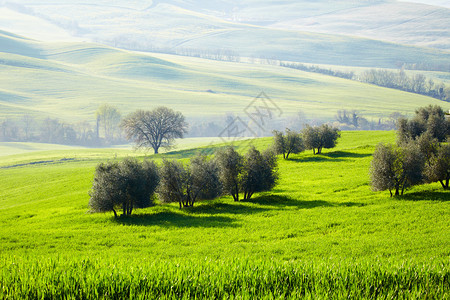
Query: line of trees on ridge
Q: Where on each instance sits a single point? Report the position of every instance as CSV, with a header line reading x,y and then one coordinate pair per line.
x,y
312,138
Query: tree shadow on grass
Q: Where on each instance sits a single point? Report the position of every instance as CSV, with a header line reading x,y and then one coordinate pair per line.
x,y
283,201
427,196
336,156
226,208
173,219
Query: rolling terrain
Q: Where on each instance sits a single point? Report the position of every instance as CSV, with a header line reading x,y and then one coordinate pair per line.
x,y
321,232
70,80
356,33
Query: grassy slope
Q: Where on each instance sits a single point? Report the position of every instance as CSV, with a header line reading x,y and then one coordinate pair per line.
x,y
166,25
322,218
69,81
322,208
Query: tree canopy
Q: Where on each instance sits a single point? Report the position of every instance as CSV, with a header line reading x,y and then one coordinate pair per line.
x,y
123,185
317,138
287,143
154,129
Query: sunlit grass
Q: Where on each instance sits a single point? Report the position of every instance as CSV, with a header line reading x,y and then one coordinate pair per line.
x,y
320,233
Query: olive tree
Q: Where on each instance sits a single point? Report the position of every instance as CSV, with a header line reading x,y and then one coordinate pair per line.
x,y
438,168
259,172
230,165
123,185
154,129
186,184
396,168
287,143
317,138
429,119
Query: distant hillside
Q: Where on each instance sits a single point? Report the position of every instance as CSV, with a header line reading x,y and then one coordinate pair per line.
x,y
70,80
351,33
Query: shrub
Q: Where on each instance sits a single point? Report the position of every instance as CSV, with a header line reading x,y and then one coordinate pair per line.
x,y
396,168
123,185
290,142
320,137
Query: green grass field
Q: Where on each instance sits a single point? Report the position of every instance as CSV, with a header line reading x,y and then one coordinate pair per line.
x,y
321,233
70,80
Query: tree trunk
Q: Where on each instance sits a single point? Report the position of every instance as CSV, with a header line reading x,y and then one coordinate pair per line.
x,y
156,149
115,213
124,209
390,191
314,151
443,184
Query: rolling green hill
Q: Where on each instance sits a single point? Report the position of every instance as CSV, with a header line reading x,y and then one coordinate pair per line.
x,y
70,80
321,233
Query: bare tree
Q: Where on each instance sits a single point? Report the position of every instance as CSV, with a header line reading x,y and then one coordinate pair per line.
x,y
155,129
108,117
28,122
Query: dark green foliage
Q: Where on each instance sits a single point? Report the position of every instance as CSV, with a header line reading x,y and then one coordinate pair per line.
x,y
187,184
123,185
396,168
290,142
317,138
172,185
230,164
204,179
155,129
259,172
438,168
429,119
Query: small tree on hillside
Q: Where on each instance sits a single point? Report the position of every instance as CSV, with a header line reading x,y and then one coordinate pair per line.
x,y
438,168
187,184
154,129
290,142
230,165
172,185
259,172
204,179
396,168
125,185
108,118
317,138
429,119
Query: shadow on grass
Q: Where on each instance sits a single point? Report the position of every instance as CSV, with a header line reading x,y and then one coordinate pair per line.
x,y
335,156
227,208
283,201
173,219
427,196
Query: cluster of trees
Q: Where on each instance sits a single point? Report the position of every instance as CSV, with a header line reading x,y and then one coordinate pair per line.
x,y
317,69
132,184
51,130
420,156
352,119
312,138
416,83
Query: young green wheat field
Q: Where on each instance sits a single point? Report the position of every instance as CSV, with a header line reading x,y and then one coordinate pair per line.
x,y
320,234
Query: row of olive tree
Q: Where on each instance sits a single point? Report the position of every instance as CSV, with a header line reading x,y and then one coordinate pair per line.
x,y
130,184
420,156
312,138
